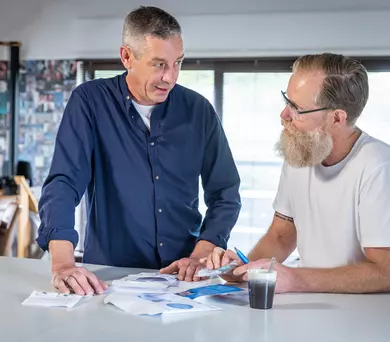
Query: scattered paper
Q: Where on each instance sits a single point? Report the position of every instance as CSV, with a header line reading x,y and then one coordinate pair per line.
x,y
52,299
156,304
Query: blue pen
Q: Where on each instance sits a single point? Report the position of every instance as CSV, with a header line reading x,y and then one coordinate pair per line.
x,y
241,255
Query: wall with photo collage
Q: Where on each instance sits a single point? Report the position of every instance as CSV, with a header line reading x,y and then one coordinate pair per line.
x,y
4,109
45,87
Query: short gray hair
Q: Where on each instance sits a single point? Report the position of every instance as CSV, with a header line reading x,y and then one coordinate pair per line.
x,y
345,84
148,21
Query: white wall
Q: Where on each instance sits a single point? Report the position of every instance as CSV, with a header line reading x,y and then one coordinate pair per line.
x,y
57,30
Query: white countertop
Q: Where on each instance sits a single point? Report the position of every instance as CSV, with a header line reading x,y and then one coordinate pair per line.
x,y
295,317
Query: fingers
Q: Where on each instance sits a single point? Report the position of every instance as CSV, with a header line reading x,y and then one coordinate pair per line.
x,y
241,270
219,257
92,284
75,286
190,272
79,280
172,268
214,258
209,261
60,285
182,265
230,278
195,278
103,285
228,257
84,280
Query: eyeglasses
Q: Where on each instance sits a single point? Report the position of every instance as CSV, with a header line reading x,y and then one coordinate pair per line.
x,y
295,112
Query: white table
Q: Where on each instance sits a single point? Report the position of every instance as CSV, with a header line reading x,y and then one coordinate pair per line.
x,y
295,317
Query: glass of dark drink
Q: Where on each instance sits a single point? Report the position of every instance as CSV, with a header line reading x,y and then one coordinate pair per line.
x,y
261,285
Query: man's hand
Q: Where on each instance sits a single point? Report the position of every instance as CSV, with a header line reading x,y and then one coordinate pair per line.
x,y
186,268
219,258
286,279
79,280
66,276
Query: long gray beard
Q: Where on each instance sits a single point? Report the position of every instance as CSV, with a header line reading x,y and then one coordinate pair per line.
x,y
304,149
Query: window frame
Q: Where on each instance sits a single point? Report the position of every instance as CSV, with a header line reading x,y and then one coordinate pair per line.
x,y
220,66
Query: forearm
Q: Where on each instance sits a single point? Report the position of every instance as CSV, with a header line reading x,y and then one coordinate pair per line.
x,y
272,245
364,277
62,254
221,216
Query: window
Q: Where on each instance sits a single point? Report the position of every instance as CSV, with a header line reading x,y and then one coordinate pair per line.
x,y
202,81
251,107
375,119
108,73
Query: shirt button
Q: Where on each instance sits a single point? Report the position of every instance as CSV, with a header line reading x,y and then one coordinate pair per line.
x,y
157,177
152,143
127,97
159,210
161,244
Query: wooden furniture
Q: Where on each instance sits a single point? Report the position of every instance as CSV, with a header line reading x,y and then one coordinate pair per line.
x,y
15,220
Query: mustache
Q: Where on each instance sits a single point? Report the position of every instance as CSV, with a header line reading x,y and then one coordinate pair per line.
x,y
288,125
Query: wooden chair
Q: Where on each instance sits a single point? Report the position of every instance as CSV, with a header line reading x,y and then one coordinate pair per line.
x,y
15,223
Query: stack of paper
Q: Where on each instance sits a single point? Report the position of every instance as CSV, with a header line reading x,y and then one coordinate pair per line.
x,y
52,299
154,282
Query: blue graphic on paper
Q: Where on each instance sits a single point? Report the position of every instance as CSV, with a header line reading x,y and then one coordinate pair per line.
x,y
180,306
209,291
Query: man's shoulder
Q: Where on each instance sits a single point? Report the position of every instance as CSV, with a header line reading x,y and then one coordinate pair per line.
x,y
188,96
98,85
373,152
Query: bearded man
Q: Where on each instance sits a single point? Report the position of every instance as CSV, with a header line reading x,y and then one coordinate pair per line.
x,y
332,201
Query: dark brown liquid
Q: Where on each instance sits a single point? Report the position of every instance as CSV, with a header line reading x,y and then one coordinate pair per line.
x,y
261,294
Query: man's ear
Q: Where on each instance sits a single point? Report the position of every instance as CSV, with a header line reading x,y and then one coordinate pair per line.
x,y
339,118
127,57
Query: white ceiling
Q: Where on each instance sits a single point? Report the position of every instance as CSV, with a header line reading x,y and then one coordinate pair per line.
x,y
118,8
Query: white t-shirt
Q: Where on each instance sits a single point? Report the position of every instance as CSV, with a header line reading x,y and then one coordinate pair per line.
x,y
341,209
145,112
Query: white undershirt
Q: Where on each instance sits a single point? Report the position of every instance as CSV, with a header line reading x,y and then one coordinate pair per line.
x,y
145,112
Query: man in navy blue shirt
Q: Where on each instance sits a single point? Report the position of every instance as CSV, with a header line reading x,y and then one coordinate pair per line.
x,y
138,143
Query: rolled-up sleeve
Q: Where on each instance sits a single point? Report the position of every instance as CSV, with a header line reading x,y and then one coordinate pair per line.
x,y
69,174
221,182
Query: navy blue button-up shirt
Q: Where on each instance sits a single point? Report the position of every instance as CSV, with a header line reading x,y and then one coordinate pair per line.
x,y
142,187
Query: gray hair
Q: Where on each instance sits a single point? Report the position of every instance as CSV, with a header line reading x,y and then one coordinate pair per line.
x,y
148,21
345,84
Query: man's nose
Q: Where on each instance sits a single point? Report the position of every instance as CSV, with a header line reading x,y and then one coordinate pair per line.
x,y
286,114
